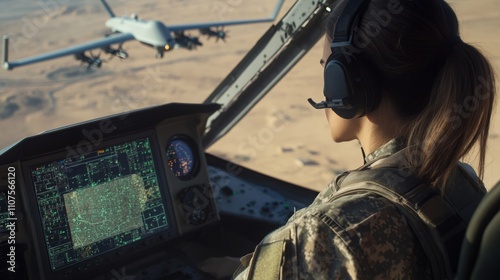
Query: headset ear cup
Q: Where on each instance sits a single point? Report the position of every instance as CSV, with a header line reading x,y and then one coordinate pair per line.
x,y
351,79
337,89
365,85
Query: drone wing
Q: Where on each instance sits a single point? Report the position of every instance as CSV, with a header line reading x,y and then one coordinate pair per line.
x,y
182,27
78,49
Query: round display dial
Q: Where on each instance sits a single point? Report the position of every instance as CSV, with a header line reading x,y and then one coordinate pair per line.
x,y
181,158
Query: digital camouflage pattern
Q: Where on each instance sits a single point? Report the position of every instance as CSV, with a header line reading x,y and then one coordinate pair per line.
x,y
360,236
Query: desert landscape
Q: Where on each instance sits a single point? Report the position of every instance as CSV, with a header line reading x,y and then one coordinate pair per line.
x,y
282,136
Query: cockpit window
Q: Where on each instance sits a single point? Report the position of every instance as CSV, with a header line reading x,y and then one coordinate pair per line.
x,y
282,136
64,91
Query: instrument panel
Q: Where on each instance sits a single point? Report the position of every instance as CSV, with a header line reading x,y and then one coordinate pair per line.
x,y
129,190
94,195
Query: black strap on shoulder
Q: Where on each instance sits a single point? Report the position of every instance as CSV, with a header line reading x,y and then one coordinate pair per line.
x,y
432,219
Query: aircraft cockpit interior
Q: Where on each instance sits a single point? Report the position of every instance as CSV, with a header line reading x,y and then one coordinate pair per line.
x,y
136,195
133,195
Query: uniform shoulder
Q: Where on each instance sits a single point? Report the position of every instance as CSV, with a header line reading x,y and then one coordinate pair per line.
x,y
351,209
359,235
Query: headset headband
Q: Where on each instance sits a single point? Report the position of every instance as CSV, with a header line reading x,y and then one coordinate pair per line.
x,y
347,22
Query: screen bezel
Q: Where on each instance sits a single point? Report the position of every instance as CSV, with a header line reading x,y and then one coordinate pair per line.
x,y
117,257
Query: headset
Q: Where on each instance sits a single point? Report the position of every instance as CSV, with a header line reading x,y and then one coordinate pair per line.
x,y
351,87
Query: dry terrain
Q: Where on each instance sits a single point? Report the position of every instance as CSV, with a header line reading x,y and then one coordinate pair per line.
x,y
282,136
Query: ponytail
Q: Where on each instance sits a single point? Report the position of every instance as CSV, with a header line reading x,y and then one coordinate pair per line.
x,y
456,118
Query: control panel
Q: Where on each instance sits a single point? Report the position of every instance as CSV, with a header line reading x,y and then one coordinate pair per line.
x,y
237,196
96,195
125,193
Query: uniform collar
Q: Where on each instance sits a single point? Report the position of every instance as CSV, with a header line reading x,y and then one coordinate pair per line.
x,y
393,146
381,155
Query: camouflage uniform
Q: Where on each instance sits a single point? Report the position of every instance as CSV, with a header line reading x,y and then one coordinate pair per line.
x,y
361,236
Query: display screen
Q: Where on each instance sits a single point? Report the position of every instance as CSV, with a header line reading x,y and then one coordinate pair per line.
x,y
181,158
96,202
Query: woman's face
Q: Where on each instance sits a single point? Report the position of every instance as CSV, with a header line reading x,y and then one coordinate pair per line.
x,y
341,129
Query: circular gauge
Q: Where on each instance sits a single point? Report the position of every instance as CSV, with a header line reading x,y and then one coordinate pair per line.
x,y
181,158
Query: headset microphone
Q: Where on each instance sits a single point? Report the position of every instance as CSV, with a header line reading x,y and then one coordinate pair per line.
x,y
340,104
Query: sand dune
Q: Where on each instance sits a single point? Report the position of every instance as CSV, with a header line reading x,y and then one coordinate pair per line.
x,y
272,139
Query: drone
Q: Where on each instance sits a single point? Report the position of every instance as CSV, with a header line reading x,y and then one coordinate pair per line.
x,y
153,33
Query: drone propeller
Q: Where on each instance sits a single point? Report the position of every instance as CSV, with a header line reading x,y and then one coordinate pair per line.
x,y
119,52
86,64
221,34
92,60
95,60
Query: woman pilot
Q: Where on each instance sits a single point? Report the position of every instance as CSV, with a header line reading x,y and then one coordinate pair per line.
x,y
399,79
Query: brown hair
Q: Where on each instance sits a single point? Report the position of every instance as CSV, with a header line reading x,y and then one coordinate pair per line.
x,y
444,87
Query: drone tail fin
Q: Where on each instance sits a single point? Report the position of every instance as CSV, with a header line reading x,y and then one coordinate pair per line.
x,y
108,9
5,54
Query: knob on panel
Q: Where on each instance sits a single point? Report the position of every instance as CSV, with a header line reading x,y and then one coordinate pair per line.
x,y
196,203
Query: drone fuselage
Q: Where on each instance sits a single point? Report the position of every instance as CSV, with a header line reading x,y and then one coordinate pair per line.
x,y
151,32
